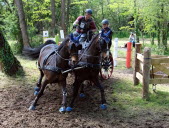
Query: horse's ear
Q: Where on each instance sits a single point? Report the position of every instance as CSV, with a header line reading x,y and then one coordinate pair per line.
x,y
79,47
73,45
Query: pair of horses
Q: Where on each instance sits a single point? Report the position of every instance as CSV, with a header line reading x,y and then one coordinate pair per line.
x,y
53,60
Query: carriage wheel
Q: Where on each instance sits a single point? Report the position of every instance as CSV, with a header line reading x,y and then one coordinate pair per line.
x,y
107,68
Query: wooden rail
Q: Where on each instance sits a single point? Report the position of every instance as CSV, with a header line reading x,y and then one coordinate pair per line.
x,y
156,66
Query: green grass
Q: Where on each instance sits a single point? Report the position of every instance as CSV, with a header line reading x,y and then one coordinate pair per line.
x,y
30,77
129,97
130,104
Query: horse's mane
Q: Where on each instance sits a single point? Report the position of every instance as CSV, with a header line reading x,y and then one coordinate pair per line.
x,y
95,36
63,43
93,39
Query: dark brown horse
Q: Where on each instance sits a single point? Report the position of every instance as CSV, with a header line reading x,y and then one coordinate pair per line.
x,y
90,59
52,61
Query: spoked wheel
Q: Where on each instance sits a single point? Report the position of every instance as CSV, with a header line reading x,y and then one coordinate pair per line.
x,y
107,68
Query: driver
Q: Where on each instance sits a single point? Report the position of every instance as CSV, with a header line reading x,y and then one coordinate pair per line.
x,y
83,25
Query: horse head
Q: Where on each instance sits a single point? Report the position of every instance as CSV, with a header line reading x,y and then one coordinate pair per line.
x,y
105,46
74,47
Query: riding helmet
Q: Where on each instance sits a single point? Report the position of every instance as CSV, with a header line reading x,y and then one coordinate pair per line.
x,y
105,21
89,11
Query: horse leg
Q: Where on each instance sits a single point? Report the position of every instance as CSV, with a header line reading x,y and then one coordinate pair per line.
x,y
76,86
103,100
82,95
33,105
64,93
38,85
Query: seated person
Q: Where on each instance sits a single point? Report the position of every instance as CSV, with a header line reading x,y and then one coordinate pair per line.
x,y
106,32
132,39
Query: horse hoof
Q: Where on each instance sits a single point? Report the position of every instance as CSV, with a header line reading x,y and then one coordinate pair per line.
x,y
37,89
62,109
36,93
103,106
69,109
82,95
32,107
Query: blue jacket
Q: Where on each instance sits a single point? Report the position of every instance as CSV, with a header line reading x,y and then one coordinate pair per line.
x,y
107,34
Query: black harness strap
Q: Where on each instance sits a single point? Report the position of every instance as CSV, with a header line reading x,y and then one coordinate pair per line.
x,y
51,68
47,57
89,65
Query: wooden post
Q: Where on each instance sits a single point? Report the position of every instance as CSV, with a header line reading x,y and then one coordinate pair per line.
x,y
115,51
136,63
146,72
128,55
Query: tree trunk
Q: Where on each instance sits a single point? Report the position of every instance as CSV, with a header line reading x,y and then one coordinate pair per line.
x,y
63,26
19,39
164,35
22,22
53,9
67,17
142,35
8,63
101,2
152,38
158,33
136,21
164,24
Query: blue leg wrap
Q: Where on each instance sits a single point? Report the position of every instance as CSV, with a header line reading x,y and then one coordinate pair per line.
x,y
37,89
103,106
69,109
32,107
82,95
62,109
36,93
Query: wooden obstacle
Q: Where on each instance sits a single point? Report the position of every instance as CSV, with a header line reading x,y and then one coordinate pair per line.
x,y
150,69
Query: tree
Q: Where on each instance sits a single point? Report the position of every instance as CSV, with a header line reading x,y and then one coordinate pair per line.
x,y
143,17
53,9
63,26
22,22
67,15
8,62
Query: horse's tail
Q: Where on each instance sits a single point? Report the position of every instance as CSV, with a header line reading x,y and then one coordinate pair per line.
x,y
34,52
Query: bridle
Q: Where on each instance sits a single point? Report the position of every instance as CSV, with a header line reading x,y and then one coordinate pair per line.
x,y
107,50
84,52
57,53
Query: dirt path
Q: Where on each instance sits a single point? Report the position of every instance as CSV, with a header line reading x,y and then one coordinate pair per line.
x,y
15,100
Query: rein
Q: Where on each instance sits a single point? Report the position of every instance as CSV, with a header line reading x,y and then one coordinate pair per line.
x,y
57,53
87,54
82,65
90,55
